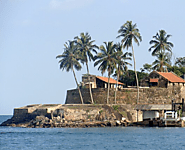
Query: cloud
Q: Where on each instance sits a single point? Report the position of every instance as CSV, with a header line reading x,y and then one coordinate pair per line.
x,y
68,4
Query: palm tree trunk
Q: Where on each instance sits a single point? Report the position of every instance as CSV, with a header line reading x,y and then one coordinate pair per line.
x,y
136,79
89,83
116,86
78,86
108,88
161,67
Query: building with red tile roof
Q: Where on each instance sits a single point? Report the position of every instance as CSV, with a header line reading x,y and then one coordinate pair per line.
x,y
105,79
171,77
162,79
99,82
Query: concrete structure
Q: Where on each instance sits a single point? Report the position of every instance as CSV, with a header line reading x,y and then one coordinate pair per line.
x,y
153,111
150,114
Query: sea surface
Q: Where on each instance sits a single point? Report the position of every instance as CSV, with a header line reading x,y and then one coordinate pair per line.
x,y
129,138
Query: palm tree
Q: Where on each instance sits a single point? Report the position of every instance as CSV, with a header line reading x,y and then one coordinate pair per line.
x,y
69,61
146,67
121,62
163,59
130,33
160,43
85,46
180,62
107,61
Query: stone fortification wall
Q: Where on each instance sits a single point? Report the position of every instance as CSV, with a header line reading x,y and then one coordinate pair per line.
x,y
128,95
72,115
29,112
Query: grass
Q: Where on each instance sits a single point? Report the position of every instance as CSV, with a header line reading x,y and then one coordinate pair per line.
x,y
124,113
74,107
49,105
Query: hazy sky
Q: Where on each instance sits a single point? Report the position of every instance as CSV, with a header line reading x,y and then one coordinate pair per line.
x,y
33,32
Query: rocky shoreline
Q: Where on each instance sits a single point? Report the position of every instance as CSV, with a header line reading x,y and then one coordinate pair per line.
x,y
44,122
80,116
70,116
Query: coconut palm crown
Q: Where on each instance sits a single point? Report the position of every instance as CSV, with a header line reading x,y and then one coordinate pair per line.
x,y
163,60
107,61
121,63
160,43
121,59
129,33
68,61
85,48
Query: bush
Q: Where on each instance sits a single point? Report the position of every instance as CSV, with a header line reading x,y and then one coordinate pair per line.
x,y
115,107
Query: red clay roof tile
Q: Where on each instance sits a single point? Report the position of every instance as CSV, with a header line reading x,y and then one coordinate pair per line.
x,y
171,77
154,80
112,81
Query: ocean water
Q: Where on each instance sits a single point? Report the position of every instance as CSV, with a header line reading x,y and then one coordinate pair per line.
x,y
131,138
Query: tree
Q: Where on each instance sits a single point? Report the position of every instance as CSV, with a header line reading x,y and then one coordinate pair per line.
x,y
107,61
130,33
121,63
85,46
180,71
69,61
180,62
160,43
147,67
129,78
163,60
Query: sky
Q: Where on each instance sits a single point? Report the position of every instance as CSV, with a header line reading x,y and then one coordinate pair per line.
x,y
33,33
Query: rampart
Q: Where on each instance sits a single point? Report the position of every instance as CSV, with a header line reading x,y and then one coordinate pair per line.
x,y
128,95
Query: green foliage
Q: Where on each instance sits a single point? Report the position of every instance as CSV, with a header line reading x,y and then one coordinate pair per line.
x,y
115,107
147,67
69,58
180,62
106,58
121,59
100,111
162,49
162,62
177,70
179,112
160,43
130,33
69,61
124,114
49,105
129,79
94,103
85,47
75,107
